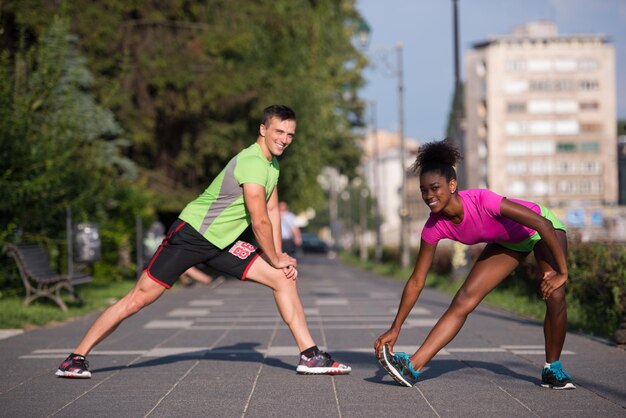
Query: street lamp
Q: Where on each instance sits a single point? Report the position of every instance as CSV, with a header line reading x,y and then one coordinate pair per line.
x,y
404,211
378,251
363,32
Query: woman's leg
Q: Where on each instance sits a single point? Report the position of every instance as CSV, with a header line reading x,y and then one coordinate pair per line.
x,y
555,322
493,265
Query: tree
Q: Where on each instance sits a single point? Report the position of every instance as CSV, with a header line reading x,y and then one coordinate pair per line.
x,y
60,148
188,80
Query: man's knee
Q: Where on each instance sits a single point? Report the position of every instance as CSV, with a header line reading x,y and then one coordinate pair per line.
x,y
145,292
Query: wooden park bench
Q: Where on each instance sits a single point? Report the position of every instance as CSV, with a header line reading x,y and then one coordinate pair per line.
x,y
39,279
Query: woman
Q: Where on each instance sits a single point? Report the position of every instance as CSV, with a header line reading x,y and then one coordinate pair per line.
x,y
512,229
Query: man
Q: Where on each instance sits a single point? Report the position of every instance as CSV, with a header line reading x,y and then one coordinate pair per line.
x,y
214,229
291,238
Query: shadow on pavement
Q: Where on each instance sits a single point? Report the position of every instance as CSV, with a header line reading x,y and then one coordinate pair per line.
x,y
437,368
238,352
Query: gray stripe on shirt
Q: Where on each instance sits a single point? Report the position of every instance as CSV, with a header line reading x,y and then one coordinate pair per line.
x,y
230,191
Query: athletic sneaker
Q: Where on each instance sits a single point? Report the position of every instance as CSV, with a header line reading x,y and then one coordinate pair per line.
x,y
399,367
321,363
556,377
74,366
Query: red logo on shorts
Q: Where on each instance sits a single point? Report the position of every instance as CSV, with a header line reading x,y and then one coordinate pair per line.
x,y
242,249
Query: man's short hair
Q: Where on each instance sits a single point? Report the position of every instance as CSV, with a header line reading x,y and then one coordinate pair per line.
x,y
281,112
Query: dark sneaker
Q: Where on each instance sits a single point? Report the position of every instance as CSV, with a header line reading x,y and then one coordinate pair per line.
x,y
321,363
74,366
556,377
399,367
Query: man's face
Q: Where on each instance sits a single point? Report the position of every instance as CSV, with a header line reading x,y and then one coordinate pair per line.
x,y
277,135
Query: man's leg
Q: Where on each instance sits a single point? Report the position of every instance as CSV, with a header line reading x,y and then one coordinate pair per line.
x,y
143,294
312,360
287,300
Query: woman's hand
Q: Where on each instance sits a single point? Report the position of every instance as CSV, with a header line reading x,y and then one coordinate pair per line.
x,y
390,337
551,281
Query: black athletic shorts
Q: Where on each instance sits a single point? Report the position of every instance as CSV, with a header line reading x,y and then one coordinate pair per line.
x,y
184,247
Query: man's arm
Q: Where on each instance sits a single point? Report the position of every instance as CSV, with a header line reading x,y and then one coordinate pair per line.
x,y
254,196
274,214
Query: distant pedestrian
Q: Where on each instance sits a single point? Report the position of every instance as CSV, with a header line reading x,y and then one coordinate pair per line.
x,y
291,237
214,229
512,229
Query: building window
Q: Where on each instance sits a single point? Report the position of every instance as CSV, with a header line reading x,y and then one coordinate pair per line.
x,y
515,87
566,127
539,167
541,127
591,127
565,147
540,188
591,167
516,167
481,109
590,146
540,106
515,65
565,65
482,149
565,167
516,148
589,187
516,188
591,105
481,68
516,107
566,106
539,65
588,64
565,186
588,85
542,148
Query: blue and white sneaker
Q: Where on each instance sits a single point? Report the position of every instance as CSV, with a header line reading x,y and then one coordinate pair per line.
x,y
556,377
399,367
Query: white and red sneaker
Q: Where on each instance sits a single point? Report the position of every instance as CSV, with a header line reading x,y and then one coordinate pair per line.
x,y
321,363
74,366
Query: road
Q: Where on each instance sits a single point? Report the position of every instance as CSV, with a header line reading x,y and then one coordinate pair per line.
x,y
222,351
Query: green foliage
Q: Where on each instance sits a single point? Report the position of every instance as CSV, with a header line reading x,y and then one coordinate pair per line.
x,y
596,289
60,149
97,295
188,80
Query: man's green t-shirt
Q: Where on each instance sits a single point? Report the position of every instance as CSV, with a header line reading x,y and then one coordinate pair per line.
x,y
220,213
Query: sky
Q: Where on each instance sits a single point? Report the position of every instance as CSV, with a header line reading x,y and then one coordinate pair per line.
x,y
425,29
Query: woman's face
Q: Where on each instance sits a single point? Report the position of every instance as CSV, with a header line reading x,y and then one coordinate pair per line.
x,y
436,190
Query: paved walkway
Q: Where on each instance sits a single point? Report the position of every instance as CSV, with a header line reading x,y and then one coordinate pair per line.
x,y
222,351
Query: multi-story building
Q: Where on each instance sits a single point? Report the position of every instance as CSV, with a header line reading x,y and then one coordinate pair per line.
x,y
383,174
540,117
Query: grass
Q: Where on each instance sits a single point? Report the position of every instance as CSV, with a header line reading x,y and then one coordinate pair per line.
x,y
97,295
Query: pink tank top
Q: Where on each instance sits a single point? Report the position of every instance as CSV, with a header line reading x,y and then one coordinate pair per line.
x,y
482,221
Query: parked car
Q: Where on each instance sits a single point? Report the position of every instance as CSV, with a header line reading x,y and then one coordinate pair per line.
x,y
311,243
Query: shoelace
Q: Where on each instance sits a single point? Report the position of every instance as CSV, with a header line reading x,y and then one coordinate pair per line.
x,y
561,374
84,363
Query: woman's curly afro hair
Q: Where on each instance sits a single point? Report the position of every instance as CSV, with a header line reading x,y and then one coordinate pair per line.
x,y
438,156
